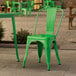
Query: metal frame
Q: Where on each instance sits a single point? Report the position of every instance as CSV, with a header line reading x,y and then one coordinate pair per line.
x,y
11,15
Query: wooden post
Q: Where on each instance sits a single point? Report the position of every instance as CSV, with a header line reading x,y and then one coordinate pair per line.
x,y
69,17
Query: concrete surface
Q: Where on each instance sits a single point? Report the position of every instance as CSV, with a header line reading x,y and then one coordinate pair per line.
x,y
10,67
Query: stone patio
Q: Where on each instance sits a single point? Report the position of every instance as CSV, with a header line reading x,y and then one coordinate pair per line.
x,y
10,67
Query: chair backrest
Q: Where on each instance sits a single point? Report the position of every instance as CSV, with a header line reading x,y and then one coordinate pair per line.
x,y
51,18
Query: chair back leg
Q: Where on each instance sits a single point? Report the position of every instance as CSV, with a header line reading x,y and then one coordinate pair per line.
x,y
56,51
40,50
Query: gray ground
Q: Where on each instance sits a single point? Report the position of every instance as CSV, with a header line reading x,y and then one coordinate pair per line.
x,y
10,67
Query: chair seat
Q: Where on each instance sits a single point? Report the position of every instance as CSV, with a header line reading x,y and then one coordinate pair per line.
x,y
41,36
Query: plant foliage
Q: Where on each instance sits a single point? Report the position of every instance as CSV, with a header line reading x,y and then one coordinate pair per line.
x,y
22,36
1,31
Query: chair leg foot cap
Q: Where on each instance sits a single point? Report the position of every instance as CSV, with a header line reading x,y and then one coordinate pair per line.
x,y
23,66
48,67
39,60
59,64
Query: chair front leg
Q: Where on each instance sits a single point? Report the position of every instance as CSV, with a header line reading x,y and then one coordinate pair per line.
x,y
47,54
56,51
26,53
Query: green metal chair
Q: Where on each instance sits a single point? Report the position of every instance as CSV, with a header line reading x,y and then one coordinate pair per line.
x,y
31,7
8,6
47,39
14,8
50,3
27,6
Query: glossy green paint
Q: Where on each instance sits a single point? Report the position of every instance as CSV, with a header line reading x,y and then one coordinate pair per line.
x,y
13,8
47,39
11,15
